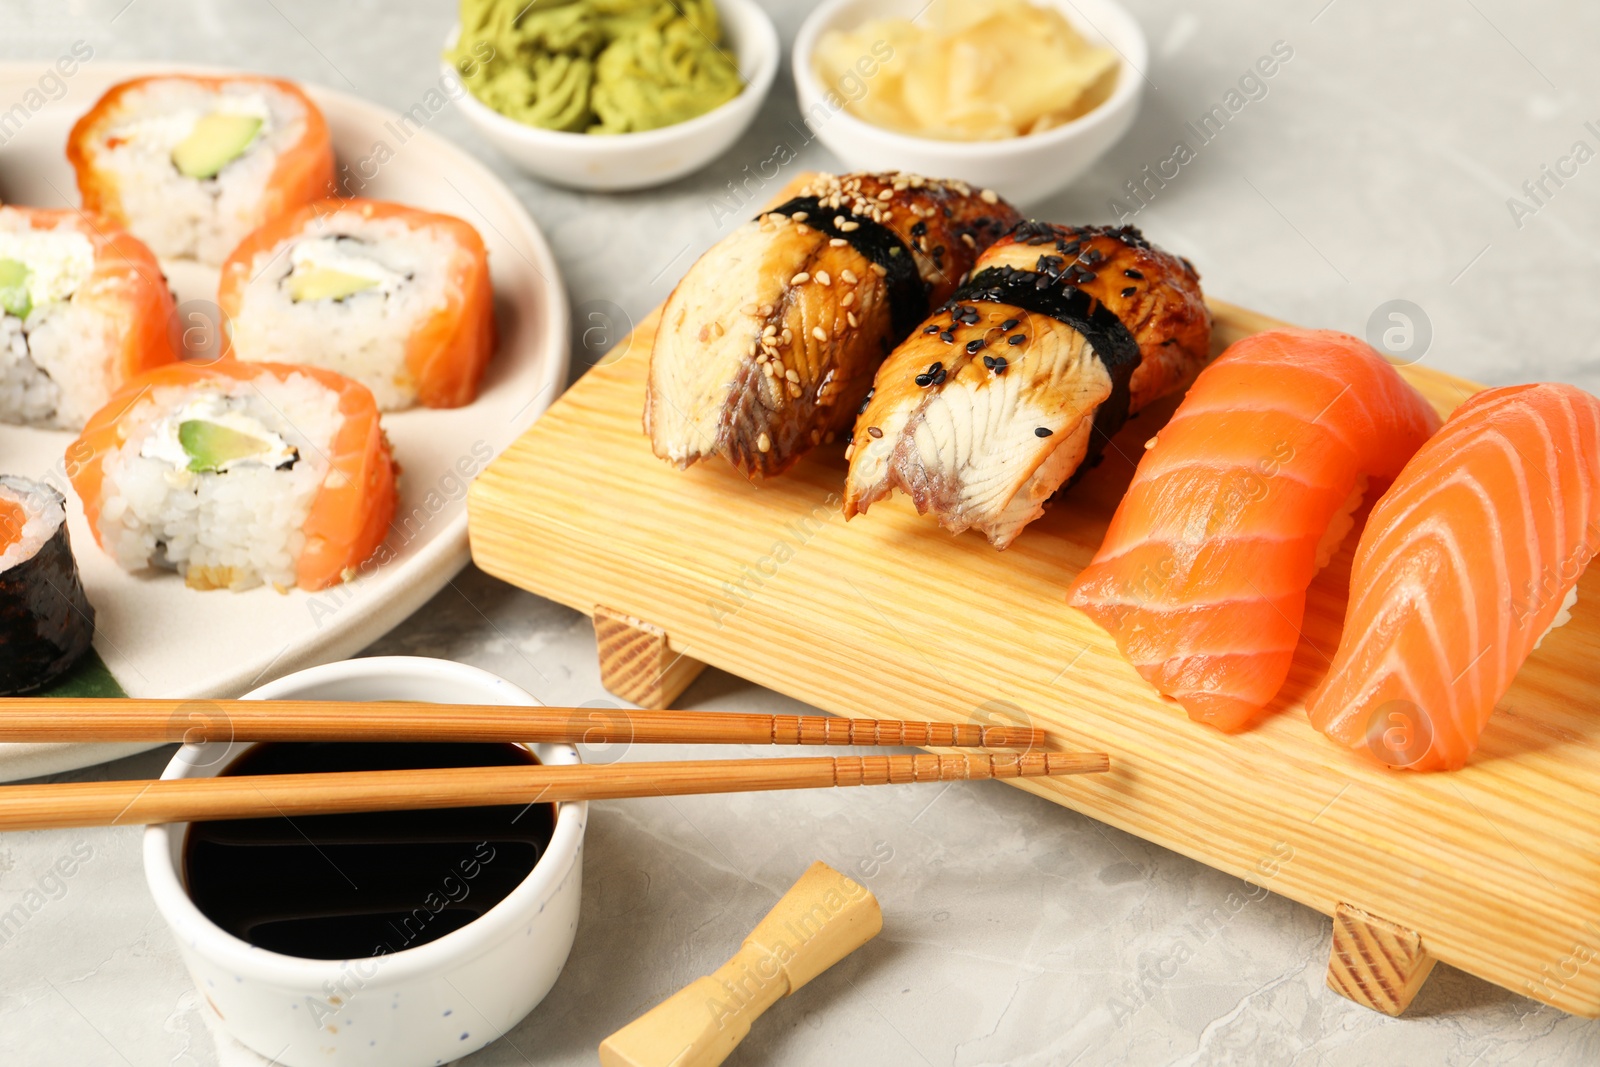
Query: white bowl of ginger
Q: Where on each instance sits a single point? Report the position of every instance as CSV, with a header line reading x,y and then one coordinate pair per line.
x,y
1009,95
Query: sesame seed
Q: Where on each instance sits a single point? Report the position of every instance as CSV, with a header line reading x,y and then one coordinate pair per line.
x,y
1130,290
850,317
794,390
948,338
766,309
771,330
801,278
822,278
1009,324
880,270
1131,273
848,276
1042,431
1016,339
923,380
801,228
1000,365
748,309
764,443
838,221
837,242
988,196
800,216
819,333
966,239
934,328
1148,445
874,432
886,194
973,347
849,450
792,374
717,330
847,300
850,227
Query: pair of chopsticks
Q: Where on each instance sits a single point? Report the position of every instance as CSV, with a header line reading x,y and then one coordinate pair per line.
x,y
57,805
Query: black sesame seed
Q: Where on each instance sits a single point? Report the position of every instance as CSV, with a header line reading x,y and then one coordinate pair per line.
x,y
934,328
1043,281
1000,365
919,228
1016,339
1130,290
939,376
1042,431
866,399
988,361
1131,273
948,338
874,432
923,381
974,346
935,367
1009,324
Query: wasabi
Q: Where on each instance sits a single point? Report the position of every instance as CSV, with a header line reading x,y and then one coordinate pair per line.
x,y
595,66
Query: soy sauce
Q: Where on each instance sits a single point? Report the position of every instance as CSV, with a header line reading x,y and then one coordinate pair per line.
x,y
354,886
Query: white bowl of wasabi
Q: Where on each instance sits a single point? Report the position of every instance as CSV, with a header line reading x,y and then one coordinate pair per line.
x,y
618,162
418,1002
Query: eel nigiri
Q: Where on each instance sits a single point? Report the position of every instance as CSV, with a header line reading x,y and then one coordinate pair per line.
x,y
769,342
1235,506
1017,382
1466,563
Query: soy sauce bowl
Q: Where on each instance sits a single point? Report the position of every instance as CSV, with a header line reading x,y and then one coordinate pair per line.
x,y
429,1004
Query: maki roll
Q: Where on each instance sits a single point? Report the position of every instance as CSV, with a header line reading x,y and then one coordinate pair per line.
x,y
46,623
192,164
236,474
396,298
83,308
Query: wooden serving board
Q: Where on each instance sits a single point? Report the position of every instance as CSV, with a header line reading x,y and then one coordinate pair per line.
x,y
1494,869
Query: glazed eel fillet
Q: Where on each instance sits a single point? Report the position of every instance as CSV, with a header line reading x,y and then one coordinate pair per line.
x,y
768,344
1017,382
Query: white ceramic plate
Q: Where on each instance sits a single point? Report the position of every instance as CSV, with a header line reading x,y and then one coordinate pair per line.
x,y
161,639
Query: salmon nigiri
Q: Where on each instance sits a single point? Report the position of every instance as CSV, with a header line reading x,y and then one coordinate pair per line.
x,y
1466,563
1236,505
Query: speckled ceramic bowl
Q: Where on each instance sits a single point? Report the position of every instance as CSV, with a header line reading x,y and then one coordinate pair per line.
x,y
425,1005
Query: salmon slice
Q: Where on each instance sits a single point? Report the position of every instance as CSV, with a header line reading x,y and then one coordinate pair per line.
x,y
768,344
1466,563
1017,382
1203,573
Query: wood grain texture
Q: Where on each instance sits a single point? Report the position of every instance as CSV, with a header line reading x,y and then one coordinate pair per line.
x,y
1497,865
823,918
34,721
636,662
1375,962
56,805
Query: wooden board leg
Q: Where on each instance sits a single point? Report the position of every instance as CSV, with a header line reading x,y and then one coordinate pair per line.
x,y
636,662
1375,962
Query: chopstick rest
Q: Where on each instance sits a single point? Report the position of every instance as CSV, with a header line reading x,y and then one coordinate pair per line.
x,y
823,918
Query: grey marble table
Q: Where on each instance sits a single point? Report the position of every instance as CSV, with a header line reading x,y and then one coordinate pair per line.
x,y
1385,161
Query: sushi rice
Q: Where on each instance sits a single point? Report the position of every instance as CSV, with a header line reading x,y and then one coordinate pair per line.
x,y
180,216
37,368
232,528
407,272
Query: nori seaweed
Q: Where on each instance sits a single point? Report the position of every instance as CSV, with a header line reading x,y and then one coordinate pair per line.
x,y
46,621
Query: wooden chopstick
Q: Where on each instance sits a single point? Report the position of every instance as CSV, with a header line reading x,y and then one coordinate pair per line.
x,y
68,804
34,719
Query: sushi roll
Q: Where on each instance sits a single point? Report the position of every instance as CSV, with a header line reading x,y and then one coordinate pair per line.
x,y
396,298
46,622
83,308
1016,383
236,474
191,164
768,344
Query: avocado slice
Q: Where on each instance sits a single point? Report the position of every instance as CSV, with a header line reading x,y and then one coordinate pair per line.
x,y
216,140
210,445
14,298
326,283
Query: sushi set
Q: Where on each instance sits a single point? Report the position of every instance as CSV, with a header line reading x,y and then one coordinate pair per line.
x,y
1174,484
408,397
